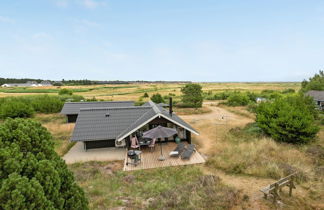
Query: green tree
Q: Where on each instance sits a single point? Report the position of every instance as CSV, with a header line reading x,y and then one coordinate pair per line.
x,y
65,91
157,98
288,119
32,175
145,95
16,108
192,95
314,83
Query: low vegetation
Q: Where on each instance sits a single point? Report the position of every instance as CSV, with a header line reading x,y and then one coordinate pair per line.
x,y
60,130
26,106
162,188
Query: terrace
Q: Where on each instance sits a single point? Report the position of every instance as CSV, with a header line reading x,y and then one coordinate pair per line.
x,y
150,159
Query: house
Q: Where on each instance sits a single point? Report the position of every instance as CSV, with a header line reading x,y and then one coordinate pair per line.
x,y
72,109
19,85
318,97
260,99
28,84
99,127
45,83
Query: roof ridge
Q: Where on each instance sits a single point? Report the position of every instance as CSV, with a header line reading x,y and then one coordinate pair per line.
x,y
155,108
92,102
133,124
109,108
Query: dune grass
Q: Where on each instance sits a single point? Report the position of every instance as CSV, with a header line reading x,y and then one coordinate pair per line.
x,y
164,188
60,130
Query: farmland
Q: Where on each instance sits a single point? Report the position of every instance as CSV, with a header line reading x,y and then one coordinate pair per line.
x,y
240,161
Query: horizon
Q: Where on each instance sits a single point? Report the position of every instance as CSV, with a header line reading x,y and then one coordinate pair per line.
x,y
198,41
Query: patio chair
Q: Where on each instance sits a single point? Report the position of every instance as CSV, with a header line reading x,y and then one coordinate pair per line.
x,y
191,148
134,143
178,150
152,144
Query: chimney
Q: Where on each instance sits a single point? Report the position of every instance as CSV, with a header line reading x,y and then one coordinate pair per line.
x,y
170,106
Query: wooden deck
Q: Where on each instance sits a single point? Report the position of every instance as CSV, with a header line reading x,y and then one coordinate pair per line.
x,y
150,158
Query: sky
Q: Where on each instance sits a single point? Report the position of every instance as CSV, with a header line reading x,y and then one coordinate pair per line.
x,y
196,40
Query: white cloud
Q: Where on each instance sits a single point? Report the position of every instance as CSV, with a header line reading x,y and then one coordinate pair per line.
x,y
89,23
4,19
62,3
42,35
92,4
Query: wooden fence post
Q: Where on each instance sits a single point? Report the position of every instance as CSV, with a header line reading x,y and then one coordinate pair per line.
x,y
291,185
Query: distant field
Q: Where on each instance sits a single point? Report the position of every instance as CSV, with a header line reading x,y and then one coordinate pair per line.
x,y
134,91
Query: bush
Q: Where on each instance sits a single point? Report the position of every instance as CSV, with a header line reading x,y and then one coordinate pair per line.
x,y
47,104
314,83
16,108
146,95
290,119
157,98
288,91
25,106
238,99
65,91
71,98
192,95
32,175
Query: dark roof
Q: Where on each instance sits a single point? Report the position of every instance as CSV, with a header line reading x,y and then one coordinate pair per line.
x,y
316,94
117,123
74,107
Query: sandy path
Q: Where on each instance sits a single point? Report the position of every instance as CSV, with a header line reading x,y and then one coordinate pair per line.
x,y
214,125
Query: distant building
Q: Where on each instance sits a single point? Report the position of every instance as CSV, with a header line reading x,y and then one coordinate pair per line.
x,y
45,83
318,97
28,84
259,99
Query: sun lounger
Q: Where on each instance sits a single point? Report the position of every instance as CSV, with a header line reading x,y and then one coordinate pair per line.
x,y
178,150
191,148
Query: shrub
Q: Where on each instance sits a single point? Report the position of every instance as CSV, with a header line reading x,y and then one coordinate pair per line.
x,y
71,98
32,175
289,90
25,106
192,95
157,98
314,83
290,119
65,91
146,95
16,108
238,99
47,104
221,95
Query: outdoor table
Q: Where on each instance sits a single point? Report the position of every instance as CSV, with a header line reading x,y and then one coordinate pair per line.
x,y
144,142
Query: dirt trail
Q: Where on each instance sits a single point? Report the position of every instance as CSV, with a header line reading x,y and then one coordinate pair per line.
x,y
213,127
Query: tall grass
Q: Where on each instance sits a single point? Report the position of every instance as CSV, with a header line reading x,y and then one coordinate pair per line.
x,y
261,157
162,188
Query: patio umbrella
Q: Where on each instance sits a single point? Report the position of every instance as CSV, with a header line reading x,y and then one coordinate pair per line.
x,y
160,132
